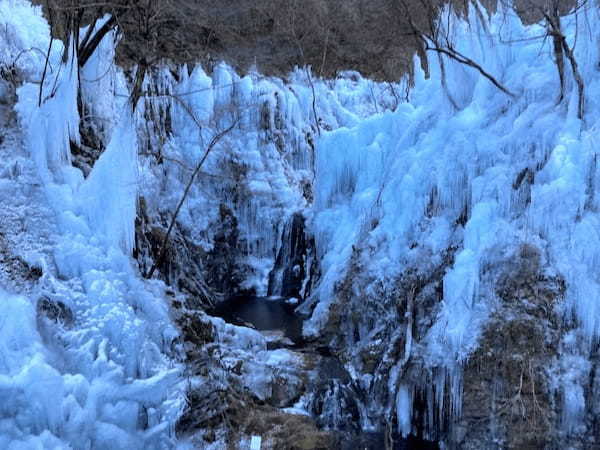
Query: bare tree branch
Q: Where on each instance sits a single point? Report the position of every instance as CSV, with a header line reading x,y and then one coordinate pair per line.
x,y
459,57
51,24
561,47
88,46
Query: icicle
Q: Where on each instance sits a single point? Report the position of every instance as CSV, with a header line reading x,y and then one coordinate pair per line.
x,y
404,410
108,196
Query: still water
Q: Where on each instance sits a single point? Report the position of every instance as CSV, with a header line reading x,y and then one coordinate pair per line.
x,y
275,314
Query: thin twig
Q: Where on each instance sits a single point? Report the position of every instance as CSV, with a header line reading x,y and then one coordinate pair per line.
x,y
51,24
457,56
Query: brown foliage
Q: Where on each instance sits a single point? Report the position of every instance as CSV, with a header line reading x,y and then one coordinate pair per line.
x,y
371,36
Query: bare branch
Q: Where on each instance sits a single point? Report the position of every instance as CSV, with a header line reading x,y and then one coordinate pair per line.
x,y
86,49
457,56
51,24
561,49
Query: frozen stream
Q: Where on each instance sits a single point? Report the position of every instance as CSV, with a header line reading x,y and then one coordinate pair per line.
x,y
333,384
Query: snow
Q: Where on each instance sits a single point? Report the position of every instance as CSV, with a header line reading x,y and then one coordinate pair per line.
x,y
24,36
26,378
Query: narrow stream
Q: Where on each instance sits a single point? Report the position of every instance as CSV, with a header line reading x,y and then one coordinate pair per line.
x,y
336,400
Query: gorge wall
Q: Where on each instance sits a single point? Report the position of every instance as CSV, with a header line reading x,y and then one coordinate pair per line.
x,y
441,247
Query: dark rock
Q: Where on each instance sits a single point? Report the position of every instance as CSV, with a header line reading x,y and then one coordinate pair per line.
x,y
15,266
182,265
55,311
4,92
286,390
290,270
196,332
508,398
224,272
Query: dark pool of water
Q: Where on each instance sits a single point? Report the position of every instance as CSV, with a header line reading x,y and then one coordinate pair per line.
x,y
264,313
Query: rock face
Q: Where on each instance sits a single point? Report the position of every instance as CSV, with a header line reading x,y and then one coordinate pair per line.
x,y
183,262
224,271
508,395
289,275
380,335
55,311
508,391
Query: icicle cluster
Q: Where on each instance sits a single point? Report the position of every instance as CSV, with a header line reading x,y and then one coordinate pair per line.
x,y
464,164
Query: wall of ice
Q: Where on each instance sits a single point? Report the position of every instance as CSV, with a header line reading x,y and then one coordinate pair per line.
x,y
467,165
263,170
107,379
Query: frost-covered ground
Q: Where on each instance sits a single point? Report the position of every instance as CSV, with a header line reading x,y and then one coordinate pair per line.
x,y
27,225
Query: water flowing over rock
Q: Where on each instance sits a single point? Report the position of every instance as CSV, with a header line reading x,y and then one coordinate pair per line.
x,y
290,276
